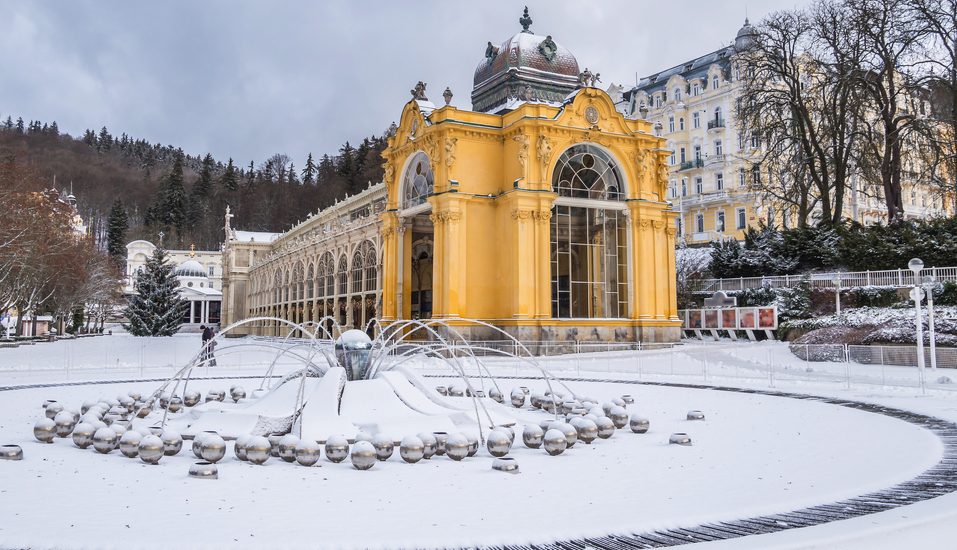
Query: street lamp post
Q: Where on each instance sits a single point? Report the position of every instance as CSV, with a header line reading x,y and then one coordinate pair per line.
x,y
916,294
929,281
837,292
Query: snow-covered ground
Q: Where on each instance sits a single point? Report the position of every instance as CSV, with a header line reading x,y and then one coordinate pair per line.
x,y
753,455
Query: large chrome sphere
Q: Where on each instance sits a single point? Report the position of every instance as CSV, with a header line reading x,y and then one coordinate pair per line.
x,y
547,423
629,400
680,438
384,447
144,431
606,428
571,434
473,441
156,430
619,402
518,398
258,449
337,448
456,391
524,389
85,407
240,446
619,416
274,440
215,395
412,449
587,430
442,390
151,449
89,417
110,418
592,417
597,411
237,393
440,440
204,470
97,425
507,465
47,402
307,452
130,442
535,398
496,395
548,403
574,420
11,452
144,410
126,402
83,434
45,430
457,447
363,455
287,447
104,440
120,426
511,433
137,396
554,442
428,444
64,422
533,436
498,443
52,409
213,448
695,415
191,398
175,403
75,412
172,442
606,408
164,400
639,424
198,443
363,436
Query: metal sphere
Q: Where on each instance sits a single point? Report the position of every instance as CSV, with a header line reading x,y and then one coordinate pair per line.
x,y
680,438
548,404
239,448
479,393
175,403
172,442
363,436
198,443
412,449
274,440
156,430
428,444
457,447
592,417
75,412
213,448
307,452
571,434
191,398
508,430
496,395
129,443
52,409
97,425
606,428
83,434
695,415
120,426
89,417
47,402
619,402
215,395
126,402
104,440
112,402
533,436
204,470
287,448
109,418
164,400
498,443
518,398
442,390
85,407
587,430
596,410
440,440
384,447
64,422
363,455
144,410
257,449
473,442
619,416
554,442
337,448
639,424
456,391
507,465
137,396
11,452
628,400
535,398
151,449
567,407
144,431
524,389
237,393
545,424
45,430
606,407
574,420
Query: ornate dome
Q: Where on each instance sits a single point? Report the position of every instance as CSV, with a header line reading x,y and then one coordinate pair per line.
x,y
191,268
745,35
525,67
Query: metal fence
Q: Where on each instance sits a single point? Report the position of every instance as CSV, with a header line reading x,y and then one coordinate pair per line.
x,y
893,277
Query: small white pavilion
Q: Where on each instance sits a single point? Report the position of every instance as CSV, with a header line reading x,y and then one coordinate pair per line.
x,y
205,302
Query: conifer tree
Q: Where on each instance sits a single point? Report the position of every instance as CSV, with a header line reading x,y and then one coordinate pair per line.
x,y
117,225
20,124
174,200
309,172
204,184
157,309
229,180
251,175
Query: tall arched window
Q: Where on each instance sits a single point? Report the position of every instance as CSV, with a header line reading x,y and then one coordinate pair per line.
x,y
343,274
277,285
330,271
371,261
418,181
285,285
310,282
588,240
296,286
357,262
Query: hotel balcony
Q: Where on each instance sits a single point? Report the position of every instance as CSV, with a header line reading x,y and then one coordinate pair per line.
x,y
694,163
716,124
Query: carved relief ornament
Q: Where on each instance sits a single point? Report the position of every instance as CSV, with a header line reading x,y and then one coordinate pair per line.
x,y
544,154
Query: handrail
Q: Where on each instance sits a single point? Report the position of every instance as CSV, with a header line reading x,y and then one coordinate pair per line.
x,y
892,278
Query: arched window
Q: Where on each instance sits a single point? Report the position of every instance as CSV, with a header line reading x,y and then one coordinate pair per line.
x,y
589,256
277,286
585,171
296,289
357,262
311,282
418,181
677,94
681,123
714,82
371,261
285,285
343,274
329,269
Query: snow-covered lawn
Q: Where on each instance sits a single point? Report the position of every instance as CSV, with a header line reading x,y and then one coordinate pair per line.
x,y
753,455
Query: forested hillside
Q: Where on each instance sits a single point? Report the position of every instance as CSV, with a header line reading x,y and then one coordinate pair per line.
x,y
162,188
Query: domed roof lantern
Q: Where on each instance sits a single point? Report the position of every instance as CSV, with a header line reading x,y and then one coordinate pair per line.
x,y
745,36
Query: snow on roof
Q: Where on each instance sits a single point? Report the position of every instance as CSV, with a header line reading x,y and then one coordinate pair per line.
x,y
256,236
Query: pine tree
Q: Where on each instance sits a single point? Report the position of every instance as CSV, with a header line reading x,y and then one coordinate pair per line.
x,y
20,124
309,172
8,125
117,225
251,175
204,184
157,309
174,201
229,180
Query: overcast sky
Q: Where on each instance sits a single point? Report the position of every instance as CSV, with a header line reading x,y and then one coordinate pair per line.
x,y
247,80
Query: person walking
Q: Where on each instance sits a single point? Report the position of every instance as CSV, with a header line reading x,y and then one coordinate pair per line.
x,y
207,349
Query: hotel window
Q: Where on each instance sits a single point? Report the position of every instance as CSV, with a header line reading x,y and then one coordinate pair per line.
x,y
695,89
677,94
719,221
671,124
756,174
678,227
681,123
683,159
772,216
657,102
699,223
718,148
684,187
673,158
698,185
212,270
696,120
755,140
741,177
673,190
697,152
740,141
714,82
740,215
719,181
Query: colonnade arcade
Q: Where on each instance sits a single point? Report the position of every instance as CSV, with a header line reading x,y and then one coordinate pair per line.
x,y
344,282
